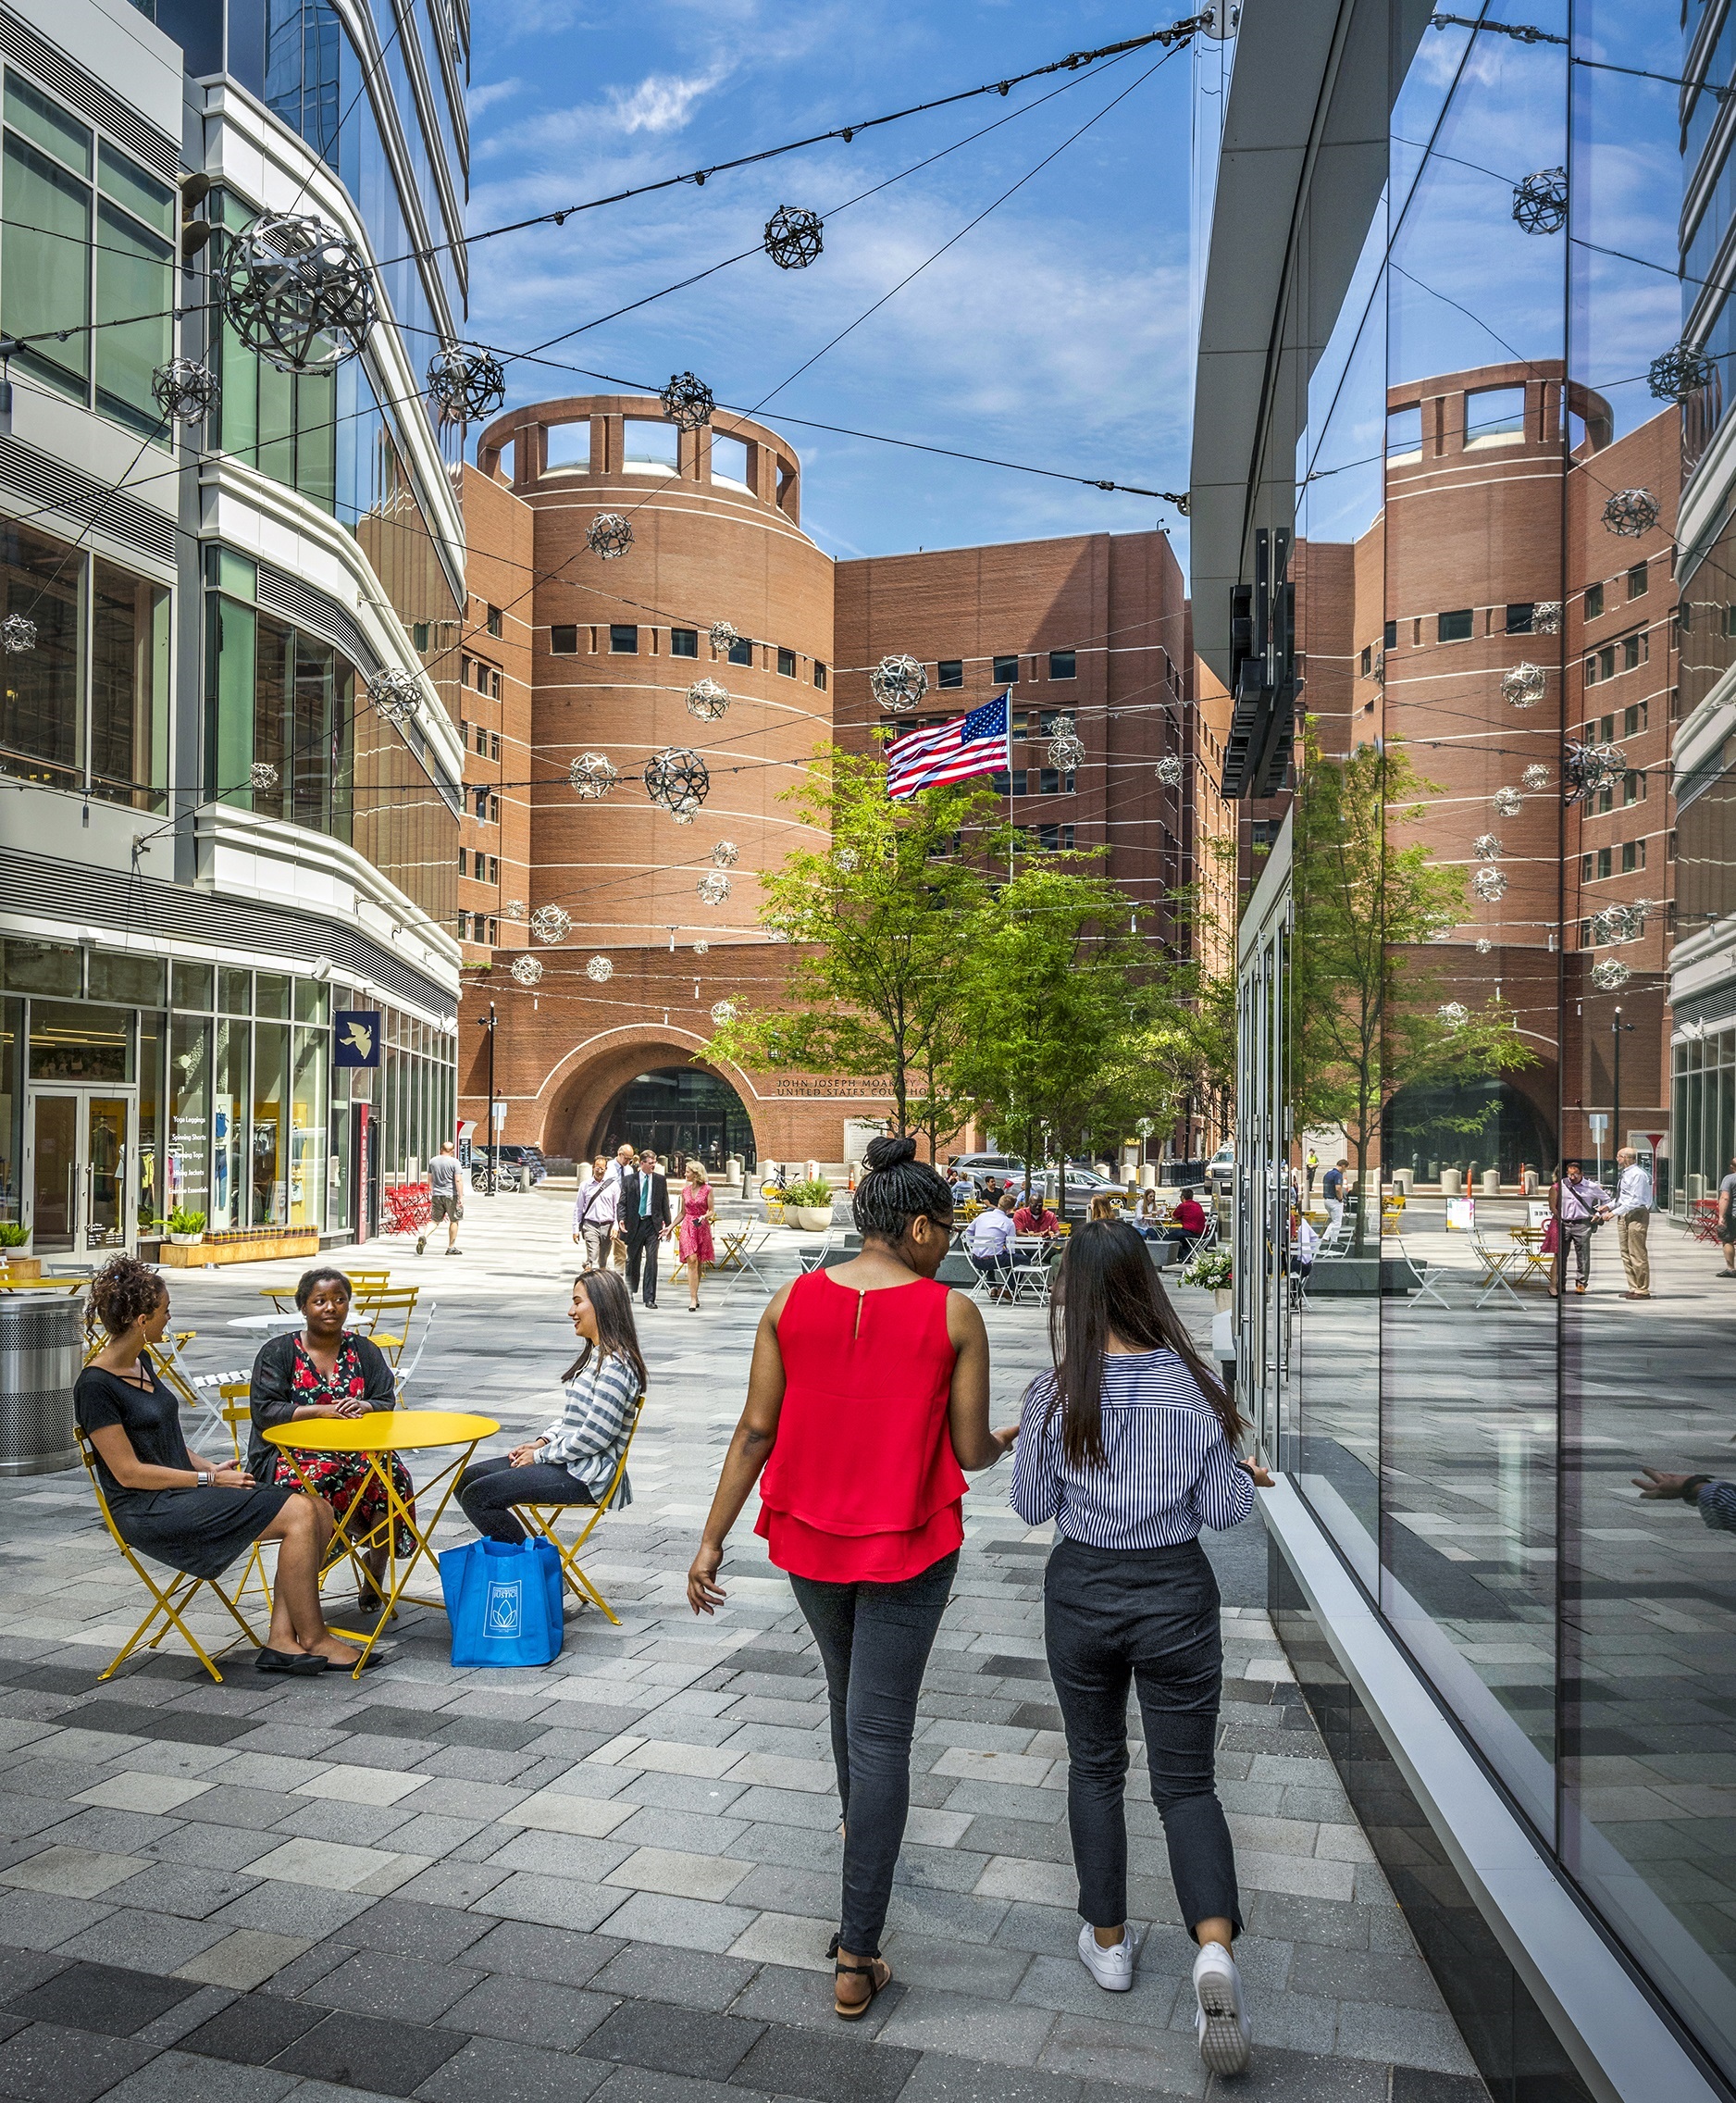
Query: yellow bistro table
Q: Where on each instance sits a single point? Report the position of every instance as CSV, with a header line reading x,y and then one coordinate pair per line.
x,y
378,1437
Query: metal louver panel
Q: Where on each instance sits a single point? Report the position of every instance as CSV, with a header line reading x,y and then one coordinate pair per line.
x,y
70,892
89,97
56,487
282,594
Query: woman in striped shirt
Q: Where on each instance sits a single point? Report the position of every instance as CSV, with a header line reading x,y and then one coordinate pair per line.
x,y
574,1461
1129,1446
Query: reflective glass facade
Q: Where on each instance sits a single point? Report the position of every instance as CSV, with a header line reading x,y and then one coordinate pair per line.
x,y
1493,475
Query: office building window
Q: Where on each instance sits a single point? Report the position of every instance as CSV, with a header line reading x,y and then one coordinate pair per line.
x,y
1368,659
1006,671
787,664
1061,665
819,675
1389,636
684,643
1455,627
1404,432
495,745
494,621
1632,855
1054,838
1633,719
741,651
563,641
494,810
494,869
461,861
1493,414
1593,602
1519,618
1629,651
419,635
623,640
1637,581
951,671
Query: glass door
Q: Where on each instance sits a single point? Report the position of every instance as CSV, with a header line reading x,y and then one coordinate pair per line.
x,y
80,1170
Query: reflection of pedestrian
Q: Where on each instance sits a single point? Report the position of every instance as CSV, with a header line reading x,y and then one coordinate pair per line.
x,y
1712,1497
1579,1204
1726,1221
1633,1216
1313,1162
1332,1191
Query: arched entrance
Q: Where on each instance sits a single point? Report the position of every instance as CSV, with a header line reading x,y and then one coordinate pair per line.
x,y
684,1112
1487,1121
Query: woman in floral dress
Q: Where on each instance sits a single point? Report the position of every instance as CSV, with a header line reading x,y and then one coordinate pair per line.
x,y
693,1236
329,1370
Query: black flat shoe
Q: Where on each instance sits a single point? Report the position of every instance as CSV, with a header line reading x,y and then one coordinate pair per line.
x,y
302,1664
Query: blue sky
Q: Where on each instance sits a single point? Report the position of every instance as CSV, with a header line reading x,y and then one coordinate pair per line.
x,y
1056,332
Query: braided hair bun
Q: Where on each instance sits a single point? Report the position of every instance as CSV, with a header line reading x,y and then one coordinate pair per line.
x,y
889,1152
896,1190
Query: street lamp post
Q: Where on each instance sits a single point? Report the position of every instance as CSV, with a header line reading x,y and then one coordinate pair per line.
x,y
1615,1029
487,1145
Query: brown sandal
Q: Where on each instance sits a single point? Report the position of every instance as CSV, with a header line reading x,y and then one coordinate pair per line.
x,y
851,2010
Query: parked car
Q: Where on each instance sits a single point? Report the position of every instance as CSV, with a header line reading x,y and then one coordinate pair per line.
x,y
1221,1172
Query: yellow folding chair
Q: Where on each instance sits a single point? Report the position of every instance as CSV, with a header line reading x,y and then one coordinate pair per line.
x,y
546,1517
392,1307
168,1602
360,1282
234,1404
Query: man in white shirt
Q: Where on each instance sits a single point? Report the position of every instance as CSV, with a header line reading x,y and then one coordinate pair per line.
x,y
596,1212
1633,1216
988,1239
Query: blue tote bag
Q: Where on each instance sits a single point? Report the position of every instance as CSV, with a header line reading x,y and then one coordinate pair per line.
x,y
503,1601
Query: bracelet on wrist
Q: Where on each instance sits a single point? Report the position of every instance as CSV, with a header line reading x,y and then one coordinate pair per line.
x,y
1691,1490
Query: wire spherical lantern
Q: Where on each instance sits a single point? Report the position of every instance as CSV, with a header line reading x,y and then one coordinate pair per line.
x,y
1486,847
723,1012
1680,373
1540,203
701,948
707,700
18,634
1489,885
1610,975
676,779
682,817
1588,768
725,854
1483,945
263,775
298,293
846,861
1508,802
793,237
527,970
1442,931
1170,772
395,695
1454,1014
465,386
687,401
723,637
552,923
713,886
1524,686
600,970
1630,513
1066,748
1546,617
1534,778
184,390
514,909
898,684
591,777
608,536
1616,923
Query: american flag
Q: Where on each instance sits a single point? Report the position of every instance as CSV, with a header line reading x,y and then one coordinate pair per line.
x,y
979,743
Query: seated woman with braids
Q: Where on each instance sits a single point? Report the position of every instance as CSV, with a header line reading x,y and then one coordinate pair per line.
x,y
169,1504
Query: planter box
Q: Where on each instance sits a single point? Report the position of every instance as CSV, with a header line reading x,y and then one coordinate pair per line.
x,y
811,1219
263,1247
17,1263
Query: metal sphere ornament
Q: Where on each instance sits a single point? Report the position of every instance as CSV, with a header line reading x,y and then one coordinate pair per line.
x,y
723,637
1454,1014
702,948
18,634
1546,617
1616,923
395,695
1483,945
687,401
1170,772
1630,513
608,536
713,887
898,684
263,775
1066,748
793,237
1489,885
552,923
527,970
1588,768
707,700
1486,847
723,1012
600,970
1534,778
298,293
846,861
591,777
725,854
1524,686
1508,802
1442,931
465,386
1680,373
184,390
1610,976
514,909
682,817
1540,203
676,779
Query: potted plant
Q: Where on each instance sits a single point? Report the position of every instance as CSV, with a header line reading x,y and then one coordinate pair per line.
x,y
185,1228
811,1203
1212,1272
14,1257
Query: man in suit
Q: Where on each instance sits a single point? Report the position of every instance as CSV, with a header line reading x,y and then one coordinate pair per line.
x,y
644,1220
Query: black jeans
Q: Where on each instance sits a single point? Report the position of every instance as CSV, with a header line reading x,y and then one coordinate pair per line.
x,y
643,1249
488,1490
875,1641
1150,1616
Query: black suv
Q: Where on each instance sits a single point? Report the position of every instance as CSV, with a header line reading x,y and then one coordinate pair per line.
x,y
516,1165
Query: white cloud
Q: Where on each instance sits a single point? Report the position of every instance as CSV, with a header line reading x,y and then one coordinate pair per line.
x,y
478,99
662,101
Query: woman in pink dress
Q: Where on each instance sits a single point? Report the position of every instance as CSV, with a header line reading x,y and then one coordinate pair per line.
x,y
693,1236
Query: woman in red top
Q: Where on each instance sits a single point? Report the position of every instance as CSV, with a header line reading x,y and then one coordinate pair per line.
x,y
867,1397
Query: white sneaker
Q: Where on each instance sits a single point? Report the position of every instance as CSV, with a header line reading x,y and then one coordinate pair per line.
x,y
1112,1968
1221,2024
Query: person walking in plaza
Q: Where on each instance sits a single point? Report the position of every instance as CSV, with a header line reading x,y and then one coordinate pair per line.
x,y
867,1400
1580,1207
444,1203
1632,1210
645,1222
988,1242
1333,1194
574,1461
595,1211
1726,1222
1129,1446
699,1215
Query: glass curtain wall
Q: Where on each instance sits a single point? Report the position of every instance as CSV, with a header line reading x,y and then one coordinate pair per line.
x,y
1512,1026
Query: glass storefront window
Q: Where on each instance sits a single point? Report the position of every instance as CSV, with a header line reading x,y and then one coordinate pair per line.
x,y
69,1043
235,991
42,967
229,1179
136,981
271,1135
271,995
312,1001
193,986
189,1115
152,1048
11,1111
308,1138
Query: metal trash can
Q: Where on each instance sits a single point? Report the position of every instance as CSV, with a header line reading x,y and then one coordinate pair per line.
x,y
41,1347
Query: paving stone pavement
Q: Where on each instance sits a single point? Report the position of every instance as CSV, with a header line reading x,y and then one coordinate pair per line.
x,y
616,1878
